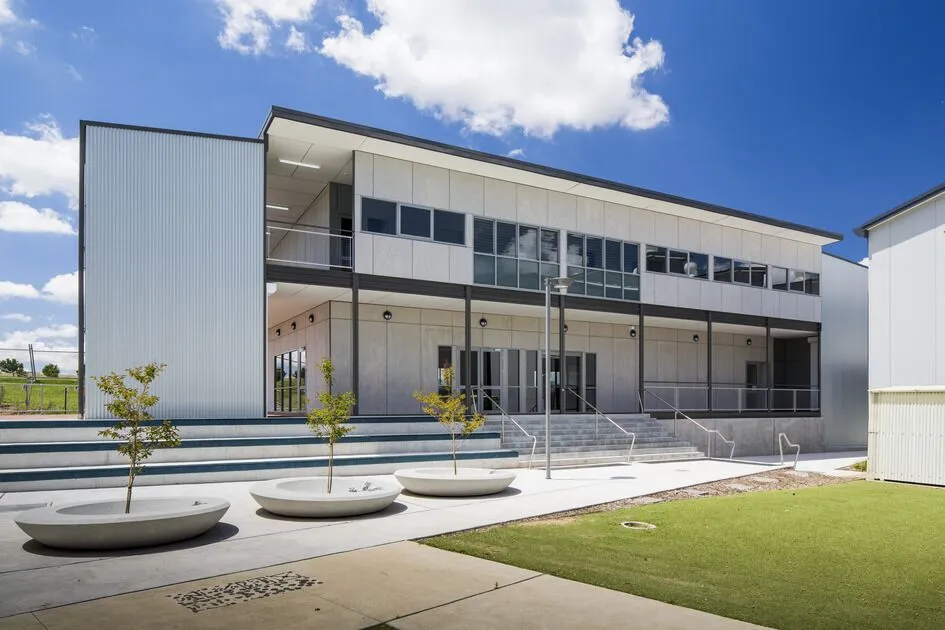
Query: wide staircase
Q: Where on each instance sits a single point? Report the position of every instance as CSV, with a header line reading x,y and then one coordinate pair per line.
x,y
54,454
588,438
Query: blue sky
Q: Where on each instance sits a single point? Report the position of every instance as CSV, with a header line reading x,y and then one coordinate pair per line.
x,y
823,113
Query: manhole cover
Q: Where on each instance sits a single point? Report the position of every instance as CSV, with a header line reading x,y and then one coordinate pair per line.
x,y
639,525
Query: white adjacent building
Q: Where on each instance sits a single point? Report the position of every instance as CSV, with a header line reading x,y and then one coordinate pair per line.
x,y
907,340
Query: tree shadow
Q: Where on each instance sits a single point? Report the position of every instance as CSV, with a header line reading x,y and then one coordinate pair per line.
x,y
218,533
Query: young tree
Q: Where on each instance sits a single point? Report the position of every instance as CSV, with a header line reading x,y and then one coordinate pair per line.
x,y
130,405
51,370
449,408
11,366
330,418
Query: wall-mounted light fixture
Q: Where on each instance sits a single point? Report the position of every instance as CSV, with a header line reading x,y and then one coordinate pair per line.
x,y
695,338
388,315
293,325
748,342
633,332
278,332
565,328
483,322
311,318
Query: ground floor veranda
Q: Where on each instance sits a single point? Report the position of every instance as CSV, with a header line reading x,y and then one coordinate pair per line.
x,y
389,338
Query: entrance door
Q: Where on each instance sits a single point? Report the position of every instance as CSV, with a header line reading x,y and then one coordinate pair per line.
x,y
756,378
485,379
571,379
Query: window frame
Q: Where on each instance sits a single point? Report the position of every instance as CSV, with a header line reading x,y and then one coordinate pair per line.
x,y
398,222
600,280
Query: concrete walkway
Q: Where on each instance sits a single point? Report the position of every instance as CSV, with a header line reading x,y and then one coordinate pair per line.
x,y
407,585
33,577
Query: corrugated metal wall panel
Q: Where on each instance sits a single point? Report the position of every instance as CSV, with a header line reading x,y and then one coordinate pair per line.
x,y
907,437
174,267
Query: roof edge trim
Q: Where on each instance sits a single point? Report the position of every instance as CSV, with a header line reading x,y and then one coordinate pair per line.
x,y
864,229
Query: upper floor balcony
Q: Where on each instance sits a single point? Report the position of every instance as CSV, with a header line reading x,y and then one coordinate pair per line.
x,y
312,246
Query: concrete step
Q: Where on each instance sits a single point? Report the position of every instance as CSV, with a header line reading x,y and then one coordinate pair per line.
x,y
610,457
58,478
104,453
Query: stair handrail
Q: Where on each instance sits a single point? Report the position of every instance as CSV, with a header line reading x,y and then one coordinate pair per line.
x,y
505,415
598,414
708,432
782,438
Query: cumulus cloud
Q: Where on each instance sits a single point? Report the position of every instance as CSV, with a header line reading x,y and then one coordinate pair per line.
x,y
296,40
86,35
63,288
51,344
248,24
495,65
24,48
17,317
41,161
7,16
20,217
515,153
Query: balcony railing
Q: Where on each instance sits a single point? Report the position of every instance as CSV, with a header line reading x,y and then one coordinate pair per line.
x,y
737,398
308,246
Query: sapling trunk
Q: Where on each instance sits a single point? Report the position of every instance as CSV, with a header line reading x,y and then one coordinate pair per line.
x,y
453,440
331,460
131,482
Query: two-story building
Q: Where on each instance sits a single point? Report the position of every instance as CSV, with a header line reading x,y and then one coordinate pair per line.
x,y
242,262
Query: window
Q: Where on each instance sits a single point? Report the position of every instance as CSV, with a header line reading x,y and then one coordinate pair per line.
x,y
603,267
449,227
415,221
444,360
759,275
549,246
656,259
677,261
741,272
289,381
797,280
722,269
505,239
698,266
484,269
812,283
378,216
483,236
779,276
527,242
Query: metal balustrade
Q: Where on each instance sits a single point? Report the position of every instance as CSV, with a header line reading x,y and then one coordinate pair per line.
x,y
309,246
664,396
598,415
482,396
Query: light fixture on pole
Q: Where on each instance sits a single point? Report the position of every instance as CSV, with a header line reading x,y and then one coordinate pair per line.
x,y
561,286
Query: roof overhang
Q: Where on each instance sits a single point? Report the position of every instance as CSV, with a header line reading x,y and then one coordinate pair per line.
x,y
334,135
889,215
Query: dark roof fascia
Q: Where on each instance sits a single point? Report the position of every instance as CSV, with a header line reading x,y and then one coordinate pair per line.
x,y
441,147
864,229
176,132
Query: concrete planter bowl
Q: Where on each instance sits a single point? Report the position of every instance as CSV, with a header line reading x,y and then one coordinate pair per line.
x,y
442,482
104,524
307,497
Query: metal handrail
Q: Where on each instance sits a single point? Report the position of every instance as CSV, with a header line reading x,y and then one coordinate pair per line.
x,y
342,238
598,414
782,438
505,415
708,432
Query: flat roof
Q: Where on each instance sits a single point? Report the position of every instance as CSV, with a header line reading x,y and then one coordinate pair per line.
x,y
660,201
864,229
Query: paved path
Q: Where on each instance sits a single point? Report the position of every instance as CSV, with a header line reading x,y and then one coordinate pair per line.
x,y
407,585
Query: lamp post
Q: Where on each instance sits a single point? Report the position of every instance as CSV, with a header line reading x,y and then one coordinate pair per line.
x,y
561,286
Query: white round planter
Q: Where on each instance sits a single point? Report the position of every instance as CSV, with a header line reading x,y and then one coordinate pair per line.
x,y
308,496
104,524
442,482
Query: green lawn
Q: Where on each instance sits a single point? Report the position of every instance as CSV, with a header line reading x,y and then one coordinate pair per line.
x,y
58,395
855,555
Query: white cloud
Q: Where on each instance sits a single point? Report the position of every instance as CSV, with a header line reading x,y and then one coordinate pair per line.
x,y
40,162
496,65
24,48
63,288
865,262
515,153
86,35
20,217
52,344
17,317
7,16
296,40
72,72
15,290
248,23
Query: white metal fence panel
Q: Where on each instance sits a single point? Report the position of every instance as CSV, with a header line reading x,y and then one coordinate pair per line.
x,y
907,435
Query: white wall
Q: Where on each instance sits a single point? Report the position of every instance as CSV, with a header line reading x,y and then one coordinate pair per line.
x,y
299,245
844,353
907,298
173,271
407,182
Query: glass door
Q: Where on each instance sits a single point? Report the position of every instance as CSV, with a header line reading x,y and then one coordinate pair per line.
x,y
572,381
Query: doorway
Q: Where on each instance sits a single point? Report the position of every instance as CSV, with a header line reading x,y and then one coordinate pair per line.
x,y
756,384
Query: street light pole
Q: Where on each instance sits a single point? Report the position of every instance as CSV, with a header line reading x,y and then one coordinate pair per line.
x,y
561,285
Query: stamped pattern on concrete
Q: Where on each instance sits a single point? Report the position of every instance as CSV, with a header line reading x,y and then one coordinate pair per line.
x,y
220,595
